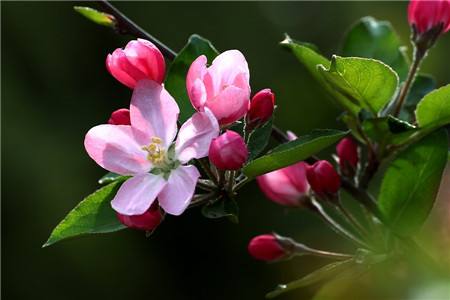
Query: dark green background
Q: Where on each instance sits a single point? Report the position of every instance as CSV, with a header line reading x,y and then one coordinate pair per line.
x,y
55,87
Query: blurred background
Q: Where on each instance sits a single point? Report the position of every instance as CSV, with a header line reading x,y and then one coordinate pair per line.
x,y
55,87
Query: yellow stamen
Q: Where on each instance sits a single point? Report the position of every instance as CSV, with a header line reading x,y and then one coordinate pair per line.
x,y
156,153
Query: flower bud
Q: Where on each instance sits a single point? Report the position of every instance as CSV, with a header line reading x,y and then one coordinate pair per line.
x,y
323,179
228,151
266,247
120,117
347,152
139,60
147,221
261,109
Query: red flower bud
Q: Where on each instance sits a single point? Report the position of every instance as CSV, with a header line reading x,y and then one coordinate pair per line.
x,y
261,108
228,151
147,221
120,117
323,178
426,15
266,247
347,151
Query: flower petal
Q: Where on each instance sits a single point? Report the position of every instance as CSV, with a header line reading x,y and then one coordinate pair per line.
x,y
229,64
230,105
177,194
154,112
137,194
115,148
195,136
196,72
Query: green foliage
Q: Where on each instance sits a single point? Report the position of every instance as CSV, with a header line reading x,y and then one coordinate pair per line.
x,y
92,215
411,183
360,83
222,208
258,140
371,38
293,151
96,16
423,84
434,109
176,76
110,177
388,130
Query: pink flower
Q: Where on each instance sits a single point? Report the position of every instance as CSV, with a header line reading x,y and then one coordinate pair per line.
x,y
147,221
287,186
145,151
120,117
139,60
228,151
425,15
323,179
223,87
261,108
266,247
347,152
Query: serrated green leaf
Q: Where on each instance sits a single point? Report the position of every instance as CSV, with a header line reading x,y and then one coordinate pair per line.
x,y
176,77
258,140
434,109
321,274
92,215
362,83
293,151
411,183
96,16
371,38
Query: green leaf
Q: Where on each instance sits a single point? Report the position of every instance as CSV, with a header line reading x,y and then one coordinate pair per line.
x,y
258,140
411,183
222,208
423,84
96,16
371,38
111,177
434,109
321,274
176,78
362,83
388,130
92,215
293,151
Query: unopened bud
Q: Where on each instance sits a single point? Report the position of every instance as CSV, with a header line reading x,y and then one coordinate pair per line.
x,y
120,117
323,179
147,221
347,152
261,109
266,247
228,151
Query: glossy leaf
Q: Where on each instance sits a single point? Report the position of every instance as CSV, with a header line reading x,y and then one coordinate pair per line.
x,y
362,83
258,140
110,177
96,16
371,38
293,151
92,215
388,130
423,84
434,109
411,183
176,77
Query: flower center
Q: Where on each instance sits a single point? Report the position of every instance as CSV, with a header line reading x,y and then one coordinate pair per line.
x,y
156,152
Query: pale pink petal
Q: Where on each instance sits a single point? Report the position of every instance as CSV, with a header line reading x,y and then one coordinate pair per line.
x,y
291,135
198,95
230,105
137,194
154,112
114,147
114,63
177,194
229,64
278,187
196,72
195,136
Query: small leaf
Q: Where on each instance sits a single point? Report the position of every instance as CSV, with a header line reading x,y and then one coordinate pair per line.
x,y
423,84
323,273
176,78
360,83
371,38
258,140
110,177
92,215
222,208
434,109
96,16
388,130
293,151
411,183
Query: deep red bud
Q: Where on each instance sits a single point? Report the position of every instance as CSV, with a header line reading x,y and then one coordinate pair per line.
x,y
147,221
120,117
323,178
266,247
426,15
261,108
228,151
347,152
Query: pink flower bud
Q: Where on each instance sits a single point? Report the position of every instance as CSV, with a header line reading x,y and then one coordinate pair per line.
x,y
266,247
425,15
139,60
261,108
228,151
147,221
323,179
287,186
120,117
347,151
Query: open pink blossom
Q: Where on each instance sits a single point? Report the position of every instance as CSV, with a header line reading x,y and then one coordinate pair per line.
x,y
223,87
145,150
